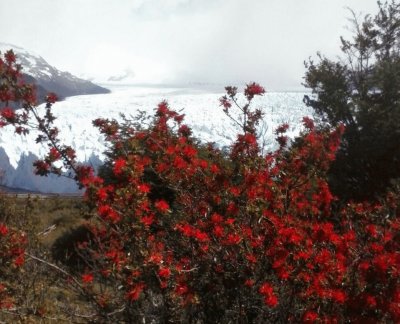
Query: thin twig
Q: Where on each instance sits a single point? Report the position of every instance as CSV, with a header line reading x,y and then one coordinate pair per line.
x,y
56,268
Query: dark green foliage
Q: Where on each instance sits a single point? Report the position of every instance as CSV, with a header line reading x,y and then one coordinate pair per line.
x,y
362,91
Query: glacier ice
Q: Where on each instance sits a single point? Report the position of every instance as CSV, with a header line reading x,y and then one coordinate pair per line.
x,y
75,115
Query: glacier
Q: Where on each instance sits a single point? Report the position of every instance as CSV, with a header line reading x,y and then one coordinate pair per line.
x,y
75,115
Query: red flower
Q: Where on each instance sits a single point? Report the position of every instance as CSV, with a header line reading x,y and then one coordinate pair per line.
x,y
186,229
253,89
180,163
8,114
162,108
310,317
184,130
162,206
218,231
371,230
377,248
135,292
249,139
147,220
338,296
216,218
371,301
266,289
189,151
51,98
179,118
224,101
102,193
271,300
235,191
203,164
181,289
268,292
170,150
323,256
42,168
381,263
232,209
302,255
54,154
87,278
201,236
162,167
214,169
282,129
19,261
3,229
283,274
10,57
364,266
155,258
164,272
251,258
119,164
106,212
249,283
144,188
308,123
233,239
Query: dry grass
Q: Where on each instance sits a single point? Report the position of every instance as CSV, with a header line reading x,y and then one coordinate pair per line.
x,y
43,293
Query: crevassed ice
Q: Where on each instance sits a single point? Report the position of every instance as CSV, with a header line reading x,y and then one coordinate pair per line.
x,y
75,115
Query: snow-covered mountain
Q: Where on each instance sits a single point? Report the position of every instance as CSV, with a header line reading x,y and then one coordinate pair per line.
x,y
75,115
48,78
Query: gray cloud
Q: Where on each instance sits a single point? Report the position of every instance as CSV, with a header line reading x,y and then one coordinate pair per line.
x,y
215,41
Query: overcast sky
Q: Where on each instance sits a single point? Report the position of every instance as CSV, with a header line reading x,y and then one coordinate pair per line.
x,y
179,41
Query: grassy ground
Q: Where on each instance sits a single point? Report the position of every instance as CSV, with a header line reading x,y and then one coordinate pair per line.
x,y
43,293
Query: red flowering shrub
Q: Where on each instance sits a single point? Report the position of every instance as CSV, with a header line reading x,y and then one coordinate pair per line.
x,y
12,241
12,249
239,236
186,232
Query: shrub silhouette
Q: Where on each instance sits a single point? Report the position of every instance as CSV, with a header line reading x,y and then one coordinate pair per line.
x,y
65,248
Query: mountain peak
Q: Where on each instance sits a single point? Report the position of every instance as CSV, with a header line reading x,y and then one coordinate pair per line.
x,y
48,78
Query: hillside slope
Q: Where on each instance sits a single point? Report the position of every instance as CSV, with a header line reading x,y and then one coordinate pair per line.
x,y
48,78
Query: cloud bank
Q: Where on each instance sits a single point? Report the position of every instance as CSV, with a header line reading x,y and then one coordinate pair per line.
x,y
181,41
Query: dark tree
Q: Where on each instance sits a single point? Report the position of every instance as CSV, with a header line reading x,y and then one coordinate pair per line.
x,y
362,91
